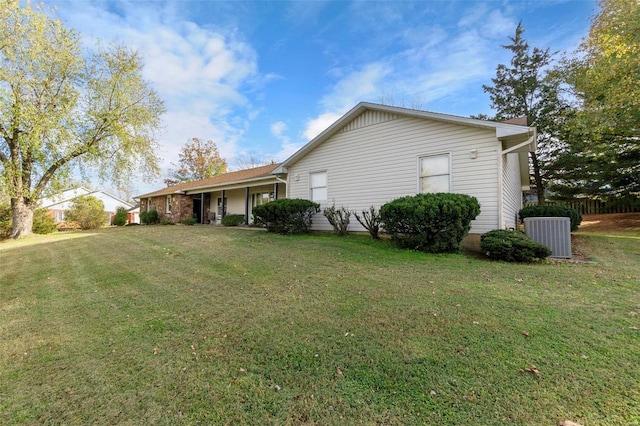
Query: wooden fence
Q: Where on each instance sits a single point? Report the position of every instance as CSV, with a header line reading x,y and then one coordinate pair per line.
x,y
596,206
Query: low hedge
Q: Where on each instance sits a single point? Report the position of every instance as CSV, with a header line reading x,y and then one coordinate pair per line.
x,y
149,217
552,211
512,246
286,215
434,223
233,220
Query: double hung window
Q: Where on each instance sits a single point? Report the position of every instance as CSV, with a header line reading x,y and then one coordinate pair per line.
x,y
435,174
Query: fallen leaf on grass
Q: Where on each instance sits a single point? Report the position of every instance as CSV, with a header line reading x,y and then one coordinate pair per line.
x,y
433,393
243,370
338,372
633,327
633,314
568,423
533,370
524,333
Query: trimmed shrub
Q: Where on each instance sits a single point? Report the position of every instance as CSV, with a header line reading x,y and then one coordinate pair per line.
x,y
371,221
88,211
121,217
43,223
434,223
233,220
512,246
552,211
286,215
167,222
339,219
149,217
189,222
6,217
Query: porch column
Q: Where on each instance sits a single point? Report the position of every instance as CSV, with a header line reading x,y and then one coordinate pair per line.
x,y
246,205
275,191
224,209
202,208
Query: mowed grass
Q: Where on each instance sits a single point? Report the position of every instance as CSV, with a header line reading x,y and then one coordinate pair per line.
x,y
202,325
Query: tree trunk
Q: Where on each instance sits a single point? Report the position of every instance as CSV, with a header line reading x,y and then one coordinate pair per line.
x,y
22,224
538,179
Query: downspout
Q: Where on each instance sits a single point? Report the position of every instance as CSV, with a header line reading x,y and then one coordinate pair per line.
x,y
286,185
502,153
500,188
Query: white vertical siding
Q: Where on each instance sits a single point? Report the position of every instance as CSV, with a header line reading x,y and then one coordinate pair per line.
x,y
377,163
512,189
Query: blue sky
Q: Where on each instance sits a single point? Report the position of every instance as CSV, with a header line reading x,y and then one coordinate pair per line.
x,y
264,77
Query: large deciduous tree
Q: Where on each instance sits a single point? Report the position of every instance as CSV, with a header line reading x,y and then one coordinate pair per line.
x,y
198,160
525,88
62,108
603,159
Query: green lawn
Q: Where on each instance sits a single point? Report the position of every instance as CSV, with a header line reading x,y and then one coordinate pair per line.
x,y
188,325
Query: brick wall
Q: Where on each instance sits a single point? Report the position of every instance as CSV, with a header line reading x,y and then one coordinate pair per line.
x,y
181,207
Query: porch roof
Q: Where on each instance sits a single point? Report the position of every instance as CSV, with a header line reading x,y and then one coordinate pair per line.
x,y
254,175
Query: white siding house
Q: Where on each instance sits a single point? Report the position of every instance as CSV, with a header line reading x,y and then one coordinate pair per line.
x,y
376,153
59,203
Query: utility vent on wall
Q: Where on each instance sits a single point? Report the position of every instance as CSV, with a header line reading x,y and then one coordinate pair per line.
x,y
553,232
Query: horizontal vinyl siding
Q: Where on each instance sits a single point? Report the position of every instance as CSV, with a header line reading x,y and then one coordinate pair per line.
x,y
378,163
512,195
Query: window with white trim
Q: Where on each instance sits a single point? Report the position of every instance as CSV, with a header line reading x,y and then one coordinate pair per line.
x,y
169,202
262,198
435,175
318,186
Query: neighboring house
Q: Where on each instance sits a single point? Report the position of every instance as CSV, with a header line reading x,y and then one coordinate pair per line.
x,y
209,200
376,153
57,205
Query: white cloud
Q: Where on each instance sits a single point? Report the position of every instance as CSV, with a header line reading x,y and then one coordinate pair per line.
x,y
346,93
287,148
202,74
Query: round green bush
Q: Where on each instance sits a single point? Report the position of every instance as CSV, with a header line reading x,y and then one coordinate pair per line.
x,y
434,223
121,217
43,223
286,215
232,220
149,217
512,246
552,211
88,211
5,221
189,222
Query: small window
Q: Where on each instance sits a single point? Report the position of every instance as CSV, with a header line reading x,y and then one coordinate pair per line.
x,y
318,186
169,201
434,174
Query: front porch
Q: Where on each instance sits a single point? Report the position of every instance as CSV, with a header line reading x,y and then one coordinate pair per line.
x,y
208,201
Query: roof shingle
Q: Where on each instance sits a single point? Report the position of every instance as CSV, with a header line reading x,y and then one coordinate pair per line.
x,y
231,177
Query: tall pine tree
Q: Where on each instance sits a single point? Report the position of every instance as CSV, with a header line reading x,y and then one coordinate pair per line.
x,y
525,88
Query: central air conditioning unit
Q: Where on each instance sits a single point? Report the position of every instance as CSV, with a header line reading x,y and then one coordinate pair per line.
x,y
553,232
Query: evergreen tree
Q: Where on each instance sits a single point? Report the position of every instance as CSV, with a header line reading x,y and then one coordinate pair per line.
x,y
525,88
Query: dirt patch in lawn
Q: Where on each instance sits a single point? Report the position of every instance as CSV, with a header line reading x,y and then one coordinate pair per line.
x,y
612,222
